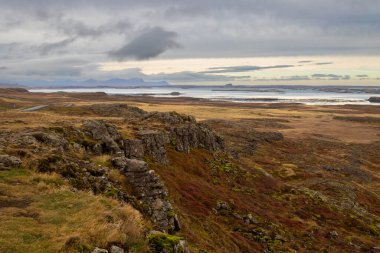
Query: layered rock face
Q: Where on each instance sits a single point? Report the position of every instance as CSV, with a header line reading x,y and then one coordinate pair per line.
x,y
154,144
106,134
150,192
133,148
195,135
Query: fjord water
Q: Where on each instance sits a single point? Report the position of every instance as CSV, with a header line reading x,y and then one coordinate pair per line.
x,y
271,95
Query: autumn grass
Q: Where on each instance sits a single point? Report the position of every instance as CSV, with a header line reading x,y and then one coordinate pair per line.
x,y
40,213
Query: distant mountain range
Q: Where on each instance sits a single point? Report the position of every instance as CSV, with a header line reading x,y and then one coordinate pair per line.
x,y
120,83
90,83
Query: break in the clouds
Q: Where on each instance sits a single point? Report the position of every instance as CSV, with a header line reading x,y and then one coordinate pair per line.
x,y
151,43
232,69
305,36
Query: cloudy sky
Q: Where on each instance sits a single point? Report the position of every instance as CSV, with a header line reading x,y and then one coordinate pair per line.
x,y
191,41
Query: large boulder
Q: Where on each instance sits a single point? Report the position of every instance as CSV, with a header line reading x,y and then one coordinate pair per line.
x,y
9,162
51,139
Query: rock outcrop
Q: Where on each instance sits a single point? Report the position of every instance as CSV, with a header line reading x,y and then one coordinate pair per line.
x,y
154,142
51,139
150,192
195,135
170,117
9,162
133,149
106,134
116,110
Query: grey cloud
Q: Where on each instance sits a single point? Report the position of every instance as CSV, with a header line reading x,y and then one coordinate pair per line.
x,y
285,78
73,27
330,77
47,48
243,69
3,68
53,67
229,29
362,76
151,43
189,76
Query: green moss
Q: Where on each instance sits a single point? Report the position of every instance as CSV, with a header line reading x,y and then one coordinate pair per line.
x,y
171,214
222,165
373,230
111,192
173,142
161,242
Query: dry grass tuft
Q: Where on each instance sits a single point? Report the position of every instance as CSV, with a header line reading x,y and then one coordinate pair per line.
x,y
40,213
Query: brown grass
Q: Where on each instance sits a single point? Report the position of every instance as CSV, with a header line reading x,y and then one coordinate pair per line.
x,y
53,218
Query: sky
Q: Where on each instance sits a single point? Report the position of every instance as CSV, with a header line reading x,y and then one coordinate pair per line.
x,y
300,42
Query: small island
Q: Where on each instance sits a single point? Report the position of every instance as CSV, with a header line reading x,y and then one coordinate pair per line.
x,y
374,99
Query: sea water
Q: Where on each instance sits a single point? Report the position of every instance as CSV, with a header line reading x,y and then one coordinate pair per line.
x,y
241,94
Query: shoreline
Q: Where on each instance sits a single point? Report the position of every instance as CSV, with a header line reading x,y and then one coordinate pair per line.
x,y
242,100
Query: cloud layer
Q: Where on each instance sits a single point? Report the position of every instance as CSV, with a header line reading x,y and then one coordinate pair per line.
x,y
97,31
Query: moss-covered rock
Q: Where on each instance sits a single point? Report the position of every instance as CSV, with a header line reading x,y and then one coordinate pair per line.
x,y
161,242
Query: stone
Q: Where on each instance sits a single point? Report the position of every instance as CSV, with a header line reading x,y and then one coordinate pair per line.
x,y
51,139
154,144
170,118
9,162
181,247
195,135
117,110
333,234
150,191
116,249
99,250
106,134
133,149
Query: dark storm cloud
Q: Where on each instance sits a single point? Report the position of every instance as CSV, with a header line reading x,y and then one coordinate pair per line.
x,y
243,69
151,43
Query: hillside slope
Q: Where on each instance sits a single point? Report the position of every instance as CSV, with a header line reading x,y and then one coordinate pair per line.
x,y
93,171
